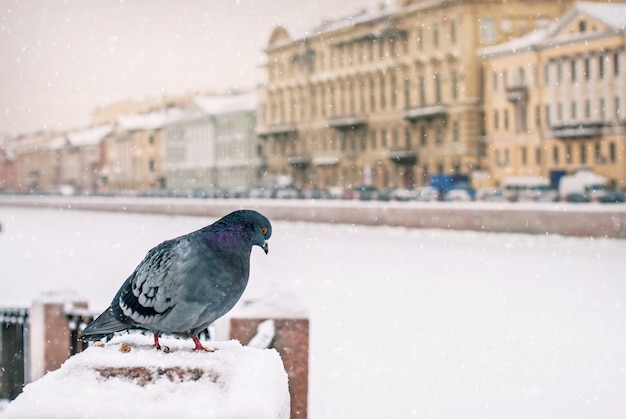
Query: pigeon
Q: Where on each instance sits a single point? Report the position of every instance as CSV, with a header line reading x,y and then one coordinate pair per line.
x,y
185,284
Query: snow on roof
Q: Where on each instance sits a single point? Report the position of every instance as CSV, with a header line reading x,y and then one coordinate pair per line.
x,y
613,14
215,105
523,42
153,120
235,381
89,136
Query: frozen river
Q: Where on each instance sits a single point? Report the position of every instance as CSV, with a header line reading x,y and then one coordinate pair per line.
x,y
404,323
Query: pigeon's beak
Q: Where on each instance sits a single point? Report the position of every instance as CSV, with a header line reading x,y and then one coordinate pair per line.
x,y
265,247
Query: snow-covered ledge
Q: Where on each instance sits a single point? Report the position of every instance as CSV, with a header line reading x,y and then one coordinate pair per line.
x,y
127,378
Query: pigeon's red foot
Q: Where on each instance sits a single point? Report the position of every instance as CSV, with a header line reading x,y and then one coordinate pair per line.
x,y
199,346
157,345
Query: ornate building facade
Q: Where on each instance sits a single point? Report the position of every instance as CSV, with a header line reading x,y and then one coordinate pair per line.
x,y
554,99
389,97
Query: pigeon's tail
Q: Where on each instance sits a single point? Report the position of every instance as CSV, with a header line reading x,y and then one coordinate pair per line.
x,y
104,325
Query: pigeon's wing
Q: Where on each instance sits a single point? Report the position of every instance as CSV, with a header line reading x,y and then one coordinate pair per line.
x,y
150,292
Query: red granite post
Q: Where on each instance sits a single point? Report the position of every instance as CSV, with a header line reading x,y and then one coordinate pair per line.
x,y
292,343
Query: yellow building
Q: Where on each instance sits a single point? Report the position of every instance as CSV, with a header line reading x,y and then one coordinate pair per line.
x,y
386,98
37,162
135,152
554,99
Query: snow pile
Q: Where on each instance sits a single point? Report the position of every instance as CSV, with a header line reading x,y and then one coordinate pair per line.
x,y
127,378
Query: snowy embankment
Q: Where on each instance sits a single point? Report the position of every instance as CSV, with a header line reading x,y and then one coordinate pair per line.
x,y
128,378
583,220
404,322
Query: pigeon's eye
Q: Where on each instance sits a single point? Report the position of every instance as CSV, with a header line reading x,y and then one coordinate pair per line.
x,y
263,230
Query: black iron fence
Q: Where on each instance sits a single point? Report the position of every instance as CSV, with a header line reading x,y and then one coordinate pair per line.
x,y
14,351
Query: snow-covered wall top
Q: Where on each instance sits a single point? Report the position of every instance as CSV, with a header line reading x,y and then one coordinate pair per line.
x,y
127,378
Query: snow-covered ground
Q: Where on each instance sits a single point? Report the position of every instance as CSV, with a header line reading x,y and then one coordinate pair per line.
x,y
404,323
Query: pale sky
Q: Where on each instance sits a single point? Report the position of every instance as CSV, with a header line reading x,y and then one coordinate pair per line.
x,y
59,60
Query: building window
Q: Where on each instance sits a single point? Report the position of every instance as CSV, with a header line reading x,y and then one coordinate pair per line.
x,y
496,120
537,116
439,134
546,73
538,156
587,68
420,38
617,108
602,110
559,72
582,26
455,85
568,154
612,153
616,66
555,155
453,32
601,66
422,83
559,112
583,153
506,119
573,69
381,83
423,135
437,88
394,92
574,115
455,132
587,109
407,93
407,137
436,35
487,30
372,94
524,156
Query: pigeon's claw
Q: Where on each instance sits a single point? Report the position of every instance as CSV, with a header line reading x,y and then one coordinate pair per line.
x,y
200,346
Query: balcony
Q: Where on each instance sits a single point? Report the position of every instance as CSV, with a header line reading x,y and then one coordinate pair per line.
x,y
402,155
296,159
517,94
277,129
346,122
575,131
425,112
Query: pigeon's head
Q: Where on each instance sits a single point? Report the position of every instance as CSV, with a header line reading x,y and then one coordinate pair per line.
x,y
259,225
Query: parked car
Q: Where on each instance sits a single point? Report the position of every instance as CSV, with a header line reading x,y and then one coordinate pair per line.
x,y
612,197
364,193
427,194
312,193
239,192
458,195
490,195
286,192
259,193
404,194
577,197
334,192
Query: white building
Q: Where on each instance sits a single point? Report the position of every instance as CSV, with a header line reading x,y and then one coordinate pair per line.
x,y
214,145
